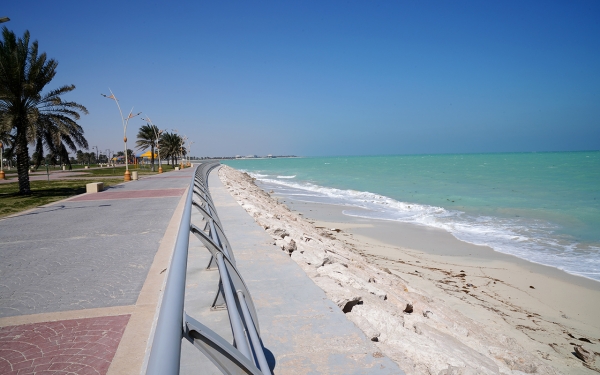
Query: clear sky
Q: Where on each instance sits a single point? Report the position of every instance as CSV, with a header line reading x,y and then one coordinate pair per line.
x,y
330,77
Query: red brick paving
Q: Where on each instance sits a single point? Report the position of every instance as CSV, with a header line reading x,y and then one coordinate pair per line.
x,y
78,346
132,194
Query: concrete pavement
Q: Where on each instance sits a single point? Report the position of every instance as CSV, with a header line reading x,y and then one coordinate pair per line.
x,y
80,279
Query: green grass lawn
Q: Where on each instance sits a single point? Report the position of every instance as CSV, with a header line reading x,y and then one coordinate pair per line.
x,y
120,170
43,192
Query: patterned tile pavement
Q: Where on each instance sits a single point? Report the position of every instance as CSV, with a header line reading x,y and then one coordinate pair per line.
x,y
78,346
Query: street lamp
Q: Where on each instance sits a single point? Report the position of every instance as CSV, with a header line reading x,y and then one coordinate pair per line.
x,y
125,121
157,135
2,177
97,154
4,19
189,151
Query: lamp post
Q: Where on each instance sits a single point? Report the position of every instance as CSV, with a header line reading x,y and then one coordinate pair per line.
x,y
157,135
2,177
189,151
97,154
125,121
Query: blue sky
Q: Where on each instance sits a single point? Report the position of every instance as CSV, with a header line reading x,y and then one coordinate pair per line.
x,y
331,77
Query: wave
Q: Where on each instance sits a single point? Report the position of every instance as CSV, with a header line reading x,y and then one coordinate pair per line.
x,y
294,176
529,239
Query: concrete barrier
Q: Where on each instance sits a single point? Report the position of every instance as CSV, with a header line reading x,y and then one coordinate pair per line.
x,y
94,187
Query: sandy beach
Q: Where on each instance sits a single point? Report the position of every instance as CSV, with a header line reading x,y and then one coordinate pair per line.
x,y
472,310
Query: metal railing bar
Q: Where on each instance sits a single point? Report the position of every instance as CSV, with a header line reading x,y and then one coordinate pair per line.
x,y
212,210
209,243
166,346
235,277
246,354
237,327
228,359
256,343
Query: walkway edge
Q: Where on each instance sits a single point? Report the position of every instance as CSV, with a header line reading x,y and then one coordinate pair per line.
x,y
132,354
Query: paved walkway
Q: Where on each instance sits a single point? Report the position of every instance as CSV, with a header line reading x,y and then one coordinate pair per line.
x,y
81,278
80,281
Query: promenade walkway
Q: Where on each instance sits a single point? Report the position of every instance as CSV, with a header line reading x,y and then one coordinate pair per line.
x,y
80,281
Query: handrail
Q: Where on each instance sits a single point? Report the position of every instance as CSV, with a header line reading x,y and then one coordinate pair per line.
x,y
246,355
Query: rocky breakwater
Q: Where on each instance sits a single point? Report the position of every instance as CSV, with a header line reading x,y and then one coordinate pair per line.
x,y
422,334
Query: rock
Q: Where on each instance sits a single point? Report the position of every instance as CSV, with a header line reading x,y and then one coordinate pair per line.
x,y
290,247
278,232
584,354
452,370
371,332
409,308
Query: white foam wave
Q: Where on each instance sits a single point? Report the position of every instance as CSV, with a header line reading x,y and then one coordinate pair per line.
x,y
528,239
294,176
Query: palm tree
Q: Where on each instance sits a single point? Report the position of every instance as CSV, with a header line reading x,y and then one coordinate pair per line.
x,y
146,137
54,135
30,115
171,145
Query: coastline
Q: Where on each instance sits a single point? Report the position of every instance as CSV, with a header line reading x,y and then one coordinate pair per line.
x,y
542,317
468,296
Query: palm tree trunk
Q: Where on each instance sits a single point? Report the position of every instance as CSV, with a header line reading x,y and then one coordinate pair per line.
x,y
22,152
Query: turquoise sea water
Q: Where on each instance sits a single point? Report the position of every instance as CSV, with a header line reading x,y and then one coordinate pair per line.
x,y
543,207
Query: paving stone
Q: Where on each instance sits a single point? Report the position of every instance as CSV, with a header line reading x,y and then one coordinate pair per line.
x,y
85,254
78,346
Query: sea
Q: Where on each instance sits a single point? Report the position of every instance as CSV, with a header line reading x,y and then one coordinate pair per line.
x,y
543,207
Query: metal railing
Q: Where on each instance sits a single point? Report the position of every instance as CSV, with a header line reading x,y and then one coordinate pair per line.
x,y
246,354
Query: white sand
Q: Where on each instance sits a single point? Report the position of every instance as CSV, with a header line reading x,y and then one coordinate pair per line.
x,y
474,311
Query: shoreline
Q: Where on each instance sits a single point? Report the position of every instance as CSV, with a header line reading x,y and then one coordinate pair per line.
x,y
323,212
528,310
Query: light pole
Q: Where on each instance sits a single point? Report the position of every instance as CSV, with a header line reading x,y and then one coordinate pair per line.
x,y
2,177
157,135
97,154
125,121
189,150
108,156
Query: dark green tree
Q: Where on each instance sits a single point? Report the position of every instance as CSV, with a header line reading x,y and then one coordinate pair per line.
x,y
171,146
29,114
146,138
